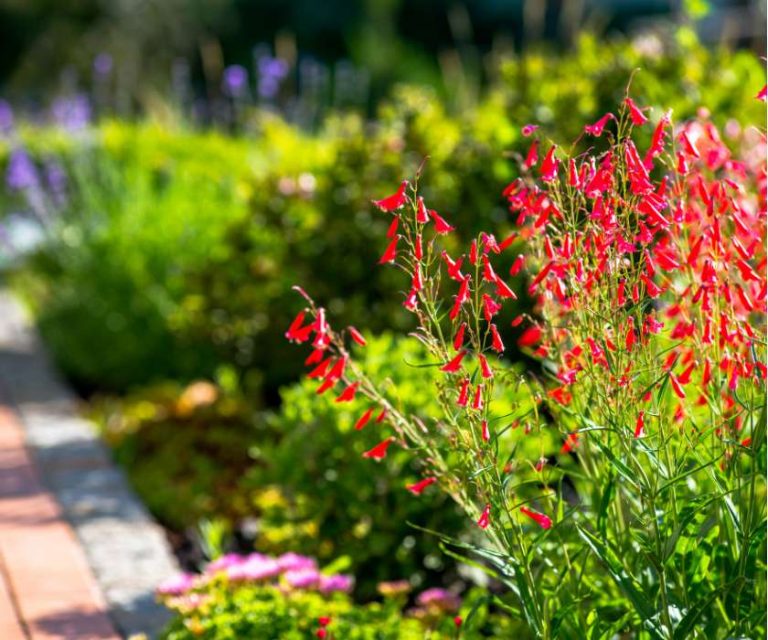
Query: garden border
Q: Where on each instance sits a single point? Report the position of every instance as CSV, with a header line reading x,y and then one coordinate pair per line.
x,y
126,550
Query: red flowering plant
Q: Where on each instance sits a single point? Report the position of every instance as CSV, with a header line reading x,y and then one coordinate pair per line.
x,y
620,486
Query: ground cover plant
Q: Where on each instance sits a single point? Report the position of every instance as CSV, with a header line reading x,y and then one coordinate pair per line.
x,y
625,493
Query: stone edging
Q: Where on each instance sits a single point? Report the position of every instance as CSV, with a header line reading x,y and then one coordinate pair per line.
x,y
127,551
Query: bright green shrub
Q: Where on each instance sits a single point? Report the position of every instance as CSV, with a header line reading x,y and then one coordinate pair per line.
x,y
144,205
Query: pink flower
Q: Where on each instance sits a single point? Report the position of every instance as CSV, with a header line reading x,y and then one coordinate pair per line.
x,y
302,578
439,599
336,582
176,586
293,561
528,129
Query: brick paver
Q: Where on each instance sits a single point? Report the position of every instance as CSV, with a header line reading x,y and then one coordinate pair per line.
x,y
47,590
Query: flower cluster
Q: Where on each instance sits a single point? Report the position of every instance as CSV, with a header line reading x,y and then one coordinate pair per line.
x,y
289,571
646,262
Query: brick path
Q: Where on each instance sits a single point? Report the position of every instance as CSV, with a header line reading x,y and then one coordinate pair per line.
x,y
46,587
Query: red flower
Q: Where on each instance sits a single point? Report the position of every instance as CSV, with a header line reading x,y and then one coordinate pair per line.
x,y
596,129
530,337
496,342
379,452
762,94
392,231
422,216
485,517
463,393
320,370
364,419
679,392
545,522
458,339
533,155
357,336
418,487
391,252
638,117
486,434
503,290
455,364
441,226
324,621
348,394
517,265
571,440
640,425
485,368
295,325
395,201
549,165
458,621
477,403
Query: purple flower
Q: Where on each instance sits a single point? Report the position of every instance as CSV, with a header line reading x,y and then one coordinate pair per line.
x,y
336,582
293,561
271,72
72,113
56,180
176,586
235,81
302,578
6,117
21,173
255,567
102,64
440,599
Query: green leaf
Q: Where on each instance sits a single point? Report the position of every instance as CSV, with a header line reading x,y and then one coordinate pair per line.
x,y
610,559
685,627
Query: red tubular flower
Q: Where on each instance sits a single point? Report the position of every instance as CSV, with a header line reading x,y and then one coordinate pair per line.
x,y
411,300
485,433
395,201
321,634
357,336
379,452
596,129
549,165
477,403
545,522
533,155
418,252
490,307
382,415
503,290
441,226
418,487
676,387
349,393
364,419
458,339
324,621
517,265
463,393
295,325
762,93
314,357
484,367
485,517
496,342
320,370
571,440
640,425
637,116
392,231
391,252
454,365
422,216
530,337
458,621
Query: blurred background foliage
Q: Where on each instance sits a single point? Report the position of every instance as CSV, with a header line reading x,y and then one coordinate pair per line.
x,y
160,205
